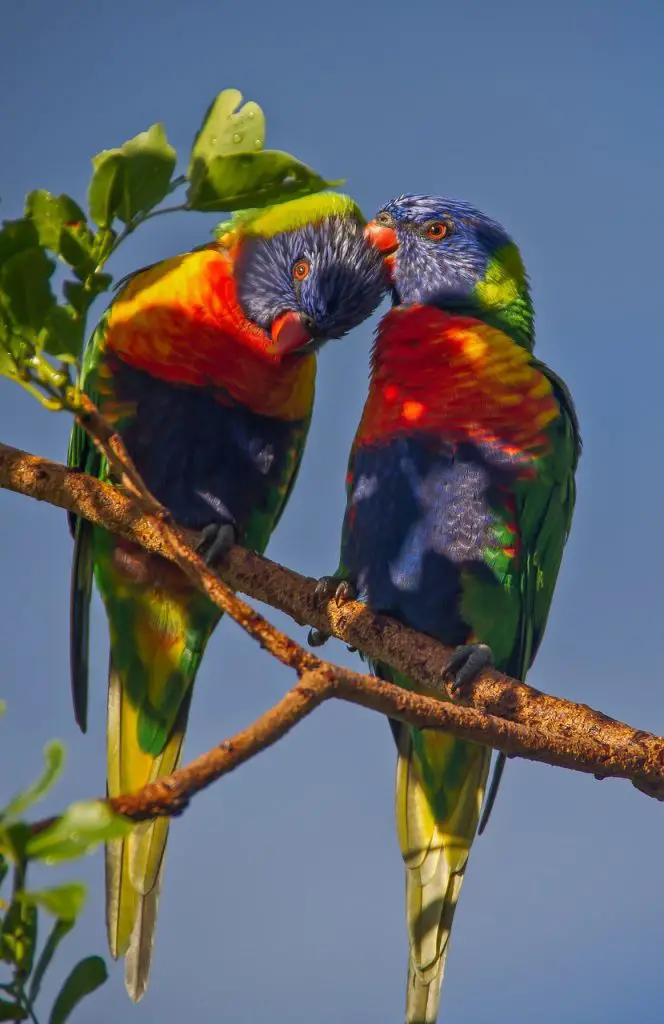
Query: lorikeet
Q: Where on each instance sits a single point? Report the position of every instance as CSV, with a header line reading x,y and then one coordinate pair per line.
x,y
205,363
460,499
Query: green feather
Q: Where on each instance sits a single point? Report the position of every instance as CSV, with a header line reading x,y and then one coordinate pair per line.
x,y
158,637
290,215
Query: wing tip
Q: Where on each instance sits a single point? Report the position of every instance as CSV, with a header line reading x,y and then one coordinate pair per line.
x,y
501,761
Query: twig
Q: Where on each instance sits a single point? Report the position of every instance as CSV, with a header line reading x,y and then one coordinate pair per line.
x,y
502,713
171,794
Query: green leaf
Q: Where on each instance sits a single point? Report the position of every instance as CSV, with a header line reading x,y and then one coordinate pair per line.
x,y
77,295
149,164
10,1011
105,189
80,829
7,365
253,180
18,936
87,976
16,236
49,213
63,901
224,132
77,248
65,333
62,227
4,868
54,758
14,839
80,297
57,934
25,289
10,922
132,179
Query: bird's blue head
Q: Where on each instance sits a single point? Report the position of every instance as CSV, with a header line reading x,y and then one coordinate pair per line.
x,y
445,253
305,272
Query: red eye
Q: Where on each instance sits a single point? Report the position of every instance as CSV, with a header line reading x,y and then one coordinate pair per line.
x,y
437,230
301,270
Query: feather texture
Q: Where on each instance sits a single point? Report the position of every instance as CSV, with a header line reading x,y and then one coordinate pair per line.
x,y
216,422
460,494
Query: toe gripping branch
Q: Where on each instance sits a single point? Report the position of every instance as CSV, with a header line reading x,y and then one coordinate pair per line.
x,y
328,588
466,664
215,541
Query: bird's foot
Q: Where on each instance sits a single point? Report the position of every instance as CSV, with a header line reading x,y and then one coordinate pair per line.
x,y
215,540
466,664
332,587
329,587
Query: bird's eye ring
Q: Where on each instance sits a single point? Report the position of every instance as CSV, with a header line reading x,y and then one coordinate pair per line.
x,y
436,230
301,270
384,218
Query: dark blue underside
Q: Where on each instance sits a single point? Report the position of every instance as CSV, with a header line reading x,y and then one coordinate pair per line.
x,y
420,513
207,463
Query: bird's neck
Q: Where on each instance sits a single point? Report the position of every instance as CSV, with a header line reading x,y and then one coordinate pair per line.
x,y
502,298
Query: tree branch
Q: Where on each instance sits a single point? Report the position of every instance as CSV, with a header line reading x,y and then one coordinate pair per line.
x,y
500,712
174,546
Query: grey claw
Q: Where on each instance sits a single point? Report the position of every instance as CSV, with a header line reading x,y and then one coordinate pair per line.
x,y
467,663
215,541
325,587
316,638
344,592
329,587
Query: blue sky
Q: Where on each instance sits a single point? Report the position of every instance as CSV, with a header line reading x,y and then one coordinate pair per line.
x,y
283,893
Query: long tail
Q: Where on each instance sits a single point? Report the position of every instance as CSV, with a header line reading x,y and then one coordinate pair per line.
x,y
159,629
134,866
439,792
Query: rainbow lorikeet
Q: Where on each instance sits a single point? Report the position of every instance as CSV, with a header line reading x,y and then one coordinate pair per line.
x,y
460,499
205,364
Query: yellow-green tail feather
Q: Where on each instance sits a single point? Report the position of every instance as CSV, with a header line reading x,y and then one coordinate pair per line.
x,y
134,866
439,792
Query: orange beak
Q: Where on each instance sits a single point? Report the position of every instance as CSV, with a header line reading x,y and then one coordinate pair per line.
x,y
289,333
381,237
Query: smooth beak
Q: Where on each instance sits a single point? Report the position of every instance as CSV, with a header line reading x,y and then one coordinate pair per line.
x,y
291,331
381,237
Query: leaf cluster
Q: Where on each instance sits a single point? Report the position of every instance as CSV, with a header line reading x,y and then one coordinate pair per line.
x,y
228,169
23,909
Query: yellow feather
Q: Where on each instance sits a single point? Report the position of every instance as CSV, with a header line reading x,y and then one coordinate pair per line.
x,y
134,866
541,386
172,280
435,853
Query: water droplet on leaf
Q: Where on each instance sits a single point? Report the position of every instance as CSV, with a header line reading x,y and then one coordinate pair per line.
x,y
238,137
258,144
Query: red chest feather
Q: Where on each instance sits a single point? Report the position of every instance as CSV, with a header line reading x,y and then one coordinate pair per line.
x,y
457,378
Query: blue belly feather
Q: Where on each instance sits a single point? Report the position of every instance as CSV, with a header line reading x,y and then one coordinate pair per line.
x,y
206,462
419,514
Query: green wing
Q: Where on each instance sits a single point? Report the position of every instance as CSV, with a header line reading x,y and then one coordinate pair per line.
x,y
85,457
544,512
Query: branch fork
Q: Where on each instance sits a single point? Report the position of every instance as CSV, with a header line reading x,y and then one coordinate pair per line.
x,y
494,710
